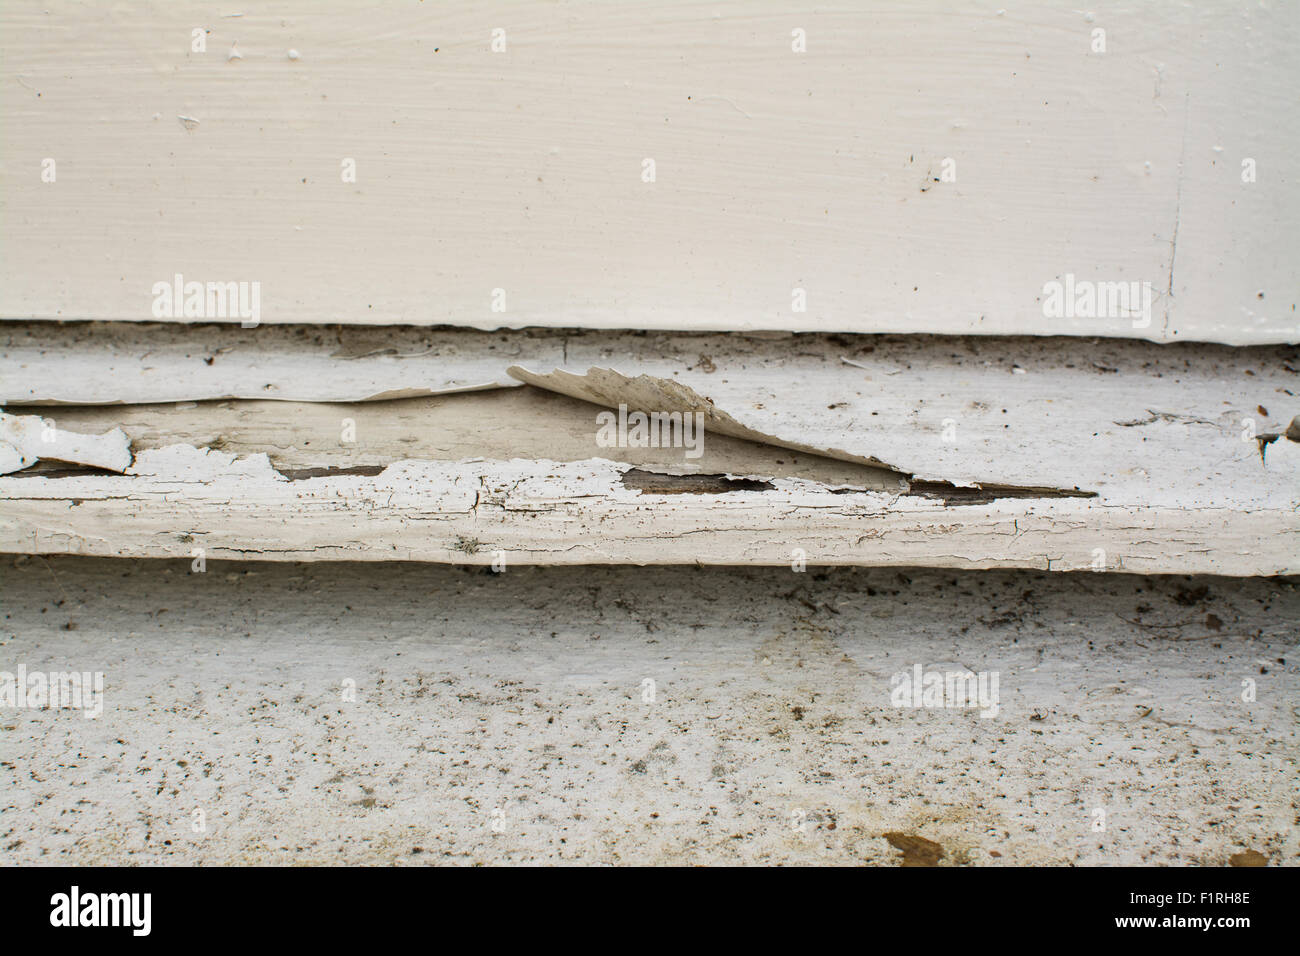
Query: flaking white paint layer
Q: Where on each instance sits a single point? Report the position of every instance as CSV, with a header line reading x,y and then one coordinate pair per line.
x,y
543,512
26,439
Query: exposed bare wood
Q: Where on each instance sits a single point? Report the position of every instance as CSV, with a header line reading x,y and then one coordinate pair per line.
x,y
517,423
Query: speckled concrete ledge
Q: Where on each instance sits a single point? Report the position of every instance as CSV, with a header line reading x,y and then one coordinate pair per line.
x,y
685,715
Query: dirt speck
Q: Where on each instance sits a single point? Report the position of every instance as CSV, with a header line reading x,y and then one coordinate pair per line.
x,y
1188,597
468,545
917,850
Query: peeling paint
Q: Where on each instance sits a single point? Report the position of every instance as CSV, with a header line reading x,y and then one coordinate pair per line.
x,y
27,439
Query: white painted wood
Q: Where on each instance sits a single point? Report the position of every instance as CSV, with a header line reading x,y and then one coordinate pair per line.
x,y
540,512
1181,446
1191,439
44,363
1135,423
775,170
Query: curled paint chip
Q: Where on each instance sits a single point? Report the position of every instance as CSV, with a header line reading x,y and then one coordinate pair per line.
x,y
32,438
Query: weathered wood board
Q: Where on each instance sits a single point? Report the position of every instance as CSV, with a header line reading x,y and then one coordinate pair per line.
x,y
184,502
906,451
1135,423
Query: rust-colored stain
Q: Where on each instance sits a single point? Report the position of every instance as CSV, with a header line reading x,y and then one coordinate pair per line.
x,y
917,851
1248,858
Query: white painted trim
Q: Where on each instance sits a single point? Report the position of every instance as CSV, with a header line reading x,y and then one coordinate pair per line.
x,y
542,512
776,170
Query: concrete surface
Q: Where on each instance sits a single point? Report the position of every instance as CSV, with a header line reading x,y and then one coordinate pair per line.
x,y
504,717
